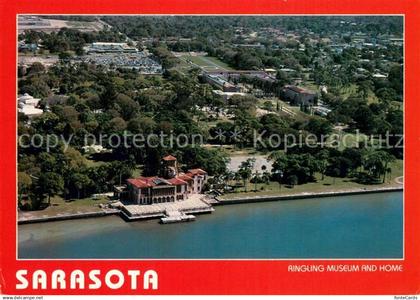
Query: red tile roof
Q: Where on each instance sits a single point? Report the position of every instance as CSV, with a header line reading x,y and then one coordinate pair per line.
x,y
169,158
146,182
197,172
299,90
142,182
185,177
295,89
177,181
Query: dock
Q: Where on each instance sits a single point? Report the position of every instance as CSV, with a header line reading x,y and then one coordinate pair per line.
x,y
169,212
175,217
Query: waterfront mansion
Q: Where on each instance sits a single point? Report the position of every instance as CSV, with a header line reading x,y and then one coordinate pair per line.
x,y
170,186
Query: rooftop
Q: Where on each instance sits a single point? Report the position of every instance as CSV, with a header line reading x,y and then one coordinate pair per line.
x,y
147,182
169,158
197,172
298,89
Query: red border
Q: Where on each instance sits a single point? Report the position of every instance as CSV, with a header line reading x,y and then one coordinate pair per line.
x,y
216,277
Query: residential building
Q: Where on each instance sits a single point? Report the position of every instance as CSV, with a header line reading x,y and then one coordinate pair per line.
x,y
28,105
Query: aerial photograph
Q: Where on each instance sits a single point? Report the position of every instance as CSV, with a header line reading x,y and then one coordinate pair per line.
x,y
210,137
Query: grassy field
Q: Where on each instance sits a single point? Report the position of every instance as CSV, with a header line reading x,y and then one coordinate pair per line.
x,y
347,91
59,206
310,85
326,185
207,63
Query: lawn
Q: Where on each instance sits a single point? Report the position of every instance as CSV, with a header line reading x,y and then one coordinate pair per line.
x,y
218,62
347,91
59,206
327,185
207,63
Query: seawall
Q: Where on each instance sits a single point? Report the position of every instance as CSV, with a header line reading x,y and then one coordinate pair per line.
x,y
68,217
265,198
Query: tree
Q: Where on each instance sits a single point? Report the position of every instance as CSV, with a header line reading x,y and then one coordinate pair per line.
x,y
377,163
65,55
245,170
268,105
36,67
117,124
322,157
395,79
335,172
292,180
303,166
128,107
80,182
354,156
318,126
51,184
213,161
265,175
66,113
24,183
141,125
256,178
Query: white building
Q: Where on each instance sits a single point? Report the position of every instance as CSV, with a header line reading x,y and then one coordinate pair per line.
x,y
28,105
105,47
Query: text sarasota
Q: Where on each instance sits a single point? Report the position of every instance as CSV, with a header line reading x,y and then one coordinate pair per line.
x,y
92,280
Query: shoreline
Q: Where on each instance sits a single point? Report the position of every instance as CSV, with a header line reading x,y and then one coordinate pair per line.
x,y
304,195
235,200
73,216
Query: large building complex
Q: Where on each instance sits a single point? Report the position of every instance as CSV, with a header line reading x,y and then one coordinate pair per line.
x,y
104,47
170,186
299,96
220,82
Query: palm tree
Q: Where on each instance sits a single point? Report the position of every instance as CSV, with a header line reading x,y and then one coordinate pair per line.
x,y
388,158
323,156
237,178
377,163
245,170
256,178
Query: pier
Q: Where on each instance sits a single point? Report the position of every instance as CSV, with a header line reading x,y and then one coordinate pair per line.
x,y
169,212
175,217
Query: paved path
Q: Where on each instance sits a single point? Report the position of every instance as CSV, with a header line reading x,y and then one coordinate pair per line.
x,y
399,180
260,160
303,195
